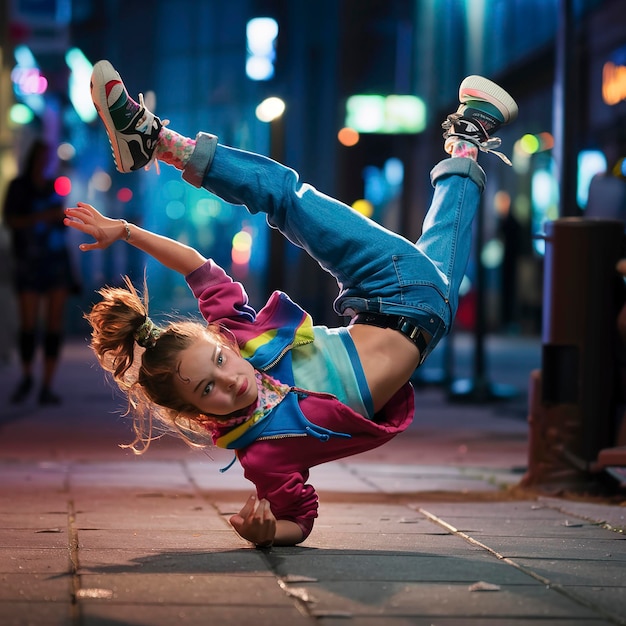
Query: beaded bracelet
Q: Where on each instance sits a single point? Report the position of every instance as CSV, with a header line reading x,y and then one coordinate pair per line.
x,y
126,227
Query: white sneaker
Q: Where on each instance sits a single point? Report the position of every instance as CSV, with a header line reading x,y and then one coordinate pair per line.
x,y
484,108
133,131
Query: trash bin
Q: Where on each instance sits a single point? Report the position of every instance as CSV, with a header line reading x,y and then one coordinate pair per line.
x,y
572,399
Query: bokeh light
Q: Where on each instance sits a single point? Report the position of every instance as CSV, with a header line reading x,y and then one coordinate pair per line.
x,y
63,186
364,207
270,109
348,137
124,194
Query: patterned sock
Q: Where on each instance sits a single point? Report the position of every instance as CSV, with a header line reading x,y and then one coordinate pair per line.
x,y
174,149
460,148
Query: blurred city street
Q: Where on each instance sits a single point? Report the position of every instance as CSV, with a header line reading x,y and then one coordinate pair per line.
x,y
495,507
428,529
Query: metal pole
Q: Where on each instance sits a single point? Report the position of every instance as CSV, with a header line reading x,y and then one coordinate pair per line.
x,y
566,109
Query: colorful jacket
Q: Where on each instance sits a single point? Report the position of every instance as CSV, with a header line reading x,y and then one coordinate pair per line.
x,y
307,428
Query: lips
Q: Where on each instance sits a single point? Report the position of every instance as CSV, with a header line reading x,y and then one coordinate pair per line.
x,y
243,388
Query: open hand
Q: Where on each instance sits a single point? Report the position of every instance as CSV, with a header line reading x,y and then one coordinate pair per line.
x,y
255,522
90,221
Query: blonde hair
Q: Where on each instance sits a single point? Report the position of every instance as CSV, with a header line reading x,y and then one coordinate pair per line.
x,y
145,373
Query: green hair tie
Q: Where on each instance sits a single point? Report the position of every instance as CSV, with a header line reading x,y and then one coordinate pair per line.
x,y
147,334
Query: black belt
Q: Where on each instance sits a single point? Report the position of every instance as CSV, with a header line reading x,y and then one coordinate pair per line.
x,y
415,333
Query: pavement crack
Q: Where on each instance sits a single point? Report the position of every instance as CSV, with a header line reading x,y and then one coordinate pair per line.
x,y
569,594
72,533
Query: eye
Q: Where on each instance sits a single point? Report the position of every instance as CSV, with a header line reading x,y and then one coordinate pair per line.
x,y
208,389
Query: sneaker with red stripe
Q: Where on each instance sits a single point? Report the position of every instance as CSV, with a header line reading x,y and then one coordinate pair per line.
x,y
133,131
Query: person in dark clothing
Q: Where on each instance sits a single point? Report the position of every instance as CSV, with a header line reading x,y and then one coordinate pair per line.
x,y
33,213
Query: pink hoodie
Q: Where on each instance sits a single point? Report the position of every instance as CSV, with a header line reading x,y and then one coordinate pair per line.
x,y
311,428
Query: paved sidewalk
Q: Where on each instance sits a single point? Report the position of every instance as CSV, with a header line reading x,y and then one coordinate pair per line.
x,y
428,529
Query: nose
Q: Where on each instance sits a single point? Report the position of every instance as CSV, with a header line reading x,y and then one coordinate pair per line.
x,y
228,380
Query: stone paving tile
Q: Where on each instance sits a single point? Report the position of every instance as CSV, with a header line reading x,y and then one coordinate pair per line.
x,y
504,522
559,527
31,613
604,573
182,589
150,498
206,474
517,509
218,560
361,620
367,565
408,471
613,516
110,614
138,473
488,474
16,538
440,600
213,559
360,516
340,476
33,502
354,477
563,553
611,600
35,521
542,547
32,561
330,540
16,476
194,515
35,587
165,540
460,484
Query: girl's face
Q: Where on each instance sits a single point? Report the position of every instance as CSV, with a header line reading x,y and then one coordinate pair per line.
x,y
215,379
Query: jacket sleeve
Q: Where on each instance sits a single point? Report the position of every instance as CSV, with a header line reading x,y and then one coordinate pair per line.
x,y
220,298
288,493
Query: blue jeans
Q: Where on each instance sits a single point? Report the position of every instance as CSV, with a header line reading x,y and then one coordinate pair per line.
x,y
376,269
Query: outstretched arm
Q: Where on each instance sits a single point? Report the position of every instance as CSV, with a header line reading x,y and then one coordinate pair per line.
x,y
105,230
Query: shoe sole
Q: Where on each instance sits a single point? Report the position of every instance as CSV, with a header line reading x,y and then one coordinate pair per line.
x,y
104,72
480,88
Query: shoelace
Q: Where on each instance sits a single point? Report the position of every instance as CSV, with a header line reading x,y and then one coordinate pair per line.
x,y
483,146
142,126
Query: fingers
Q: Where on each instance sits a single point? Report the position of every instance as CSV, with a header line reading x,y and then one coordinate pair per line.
x,y
89,221
264,511
255,522
82,211
85,247
248,507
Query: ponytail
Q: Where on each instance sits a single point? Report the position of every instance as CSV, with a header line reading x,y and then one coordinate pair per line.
x,y
115,321
143,361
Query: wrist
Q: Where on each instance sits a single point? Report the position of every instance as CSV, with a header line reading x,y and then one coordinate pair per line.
x,y
126,233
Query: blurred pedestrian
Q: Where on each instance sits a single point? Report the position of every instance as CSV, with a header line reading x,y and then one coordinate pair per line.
x,y
43,277
285,394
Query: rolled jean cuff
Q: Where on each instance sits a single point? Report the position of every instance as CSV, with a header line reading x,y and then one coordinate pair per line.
x,y
200,160
459,167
